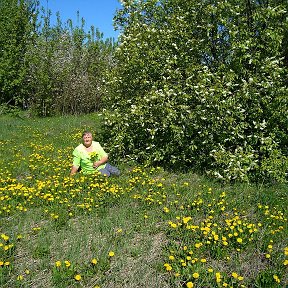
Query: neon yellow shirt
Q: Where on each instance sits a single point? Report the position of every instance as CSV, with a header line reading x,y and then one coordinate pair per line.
x,y
85,160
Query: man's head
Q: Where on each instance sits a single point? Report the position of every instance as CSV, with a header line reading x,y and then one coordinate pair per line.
x,y
87,138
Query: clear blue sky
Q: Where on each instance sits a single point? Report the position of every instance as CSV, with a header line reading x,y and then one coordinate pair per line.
x,y
95,12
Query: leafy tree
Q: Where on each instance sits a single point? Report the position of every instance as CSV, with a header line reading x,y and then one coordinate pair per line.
x,y
67,67
17,31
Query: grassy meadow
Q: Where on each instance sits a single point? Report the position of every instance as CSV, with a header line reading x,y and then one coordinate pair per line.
x,y
146,228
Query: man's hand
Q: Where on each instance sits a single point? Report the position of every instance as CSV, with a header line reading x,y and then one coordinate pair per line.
x,y
97,164
100,162
74,170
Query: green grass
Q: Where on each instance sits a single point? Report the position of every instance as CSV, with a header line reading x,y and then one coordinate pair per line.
x,y
165,229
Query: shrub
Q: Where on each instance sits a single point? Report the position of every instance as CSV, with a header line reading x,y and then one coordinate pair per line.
x,y
209,96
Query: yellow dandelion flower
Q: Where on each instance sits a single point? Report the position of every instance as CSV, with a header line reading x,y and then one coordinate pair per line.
x,y
239,240
173,225
285,263
171,257
77,277
67,263
195,275
276,278
189,285
267,256
186,219
168,267
166,210
58,263
4,237
94,261
240,278
198,245
111,254
218,277
20,277
210,270
19,237
235,275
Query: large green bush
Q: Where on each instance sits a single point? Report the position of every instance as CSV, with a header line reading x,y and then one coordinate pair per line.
x,y
202,85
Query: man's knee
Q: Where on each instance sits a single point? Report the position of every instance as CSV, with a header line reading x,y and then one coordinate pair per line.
x,y
113,170
104,172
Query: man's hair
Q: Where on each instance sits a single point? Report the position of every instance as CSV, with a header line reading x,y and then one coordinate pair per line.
x,y
85,133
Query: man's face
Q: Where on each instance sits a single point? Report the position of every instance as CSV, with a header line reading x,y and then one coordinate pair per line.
x,y
87,139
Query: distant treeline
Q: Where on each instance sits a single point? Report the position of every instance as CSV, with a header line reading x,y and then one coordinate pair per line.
x,y
50,69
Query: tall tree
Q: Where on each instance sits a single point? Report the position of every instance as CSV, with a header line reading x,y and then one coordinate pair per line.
x,y
67,67
17,31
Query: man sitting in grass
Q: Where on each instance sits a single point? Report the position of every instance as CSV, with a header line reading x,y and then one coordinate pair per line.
x,y
90,157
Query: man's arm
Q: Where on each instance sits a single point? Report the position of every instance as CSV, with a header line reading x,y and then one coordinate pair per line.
x,y
74,170
76,162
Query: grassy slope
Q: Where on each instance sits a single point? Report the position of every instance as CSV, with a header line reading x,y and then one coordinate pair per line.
x,y
142,216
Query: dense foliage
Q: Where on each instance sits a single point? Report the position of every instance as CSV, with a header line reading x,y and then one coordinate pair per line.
x,y
48,68
202,84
